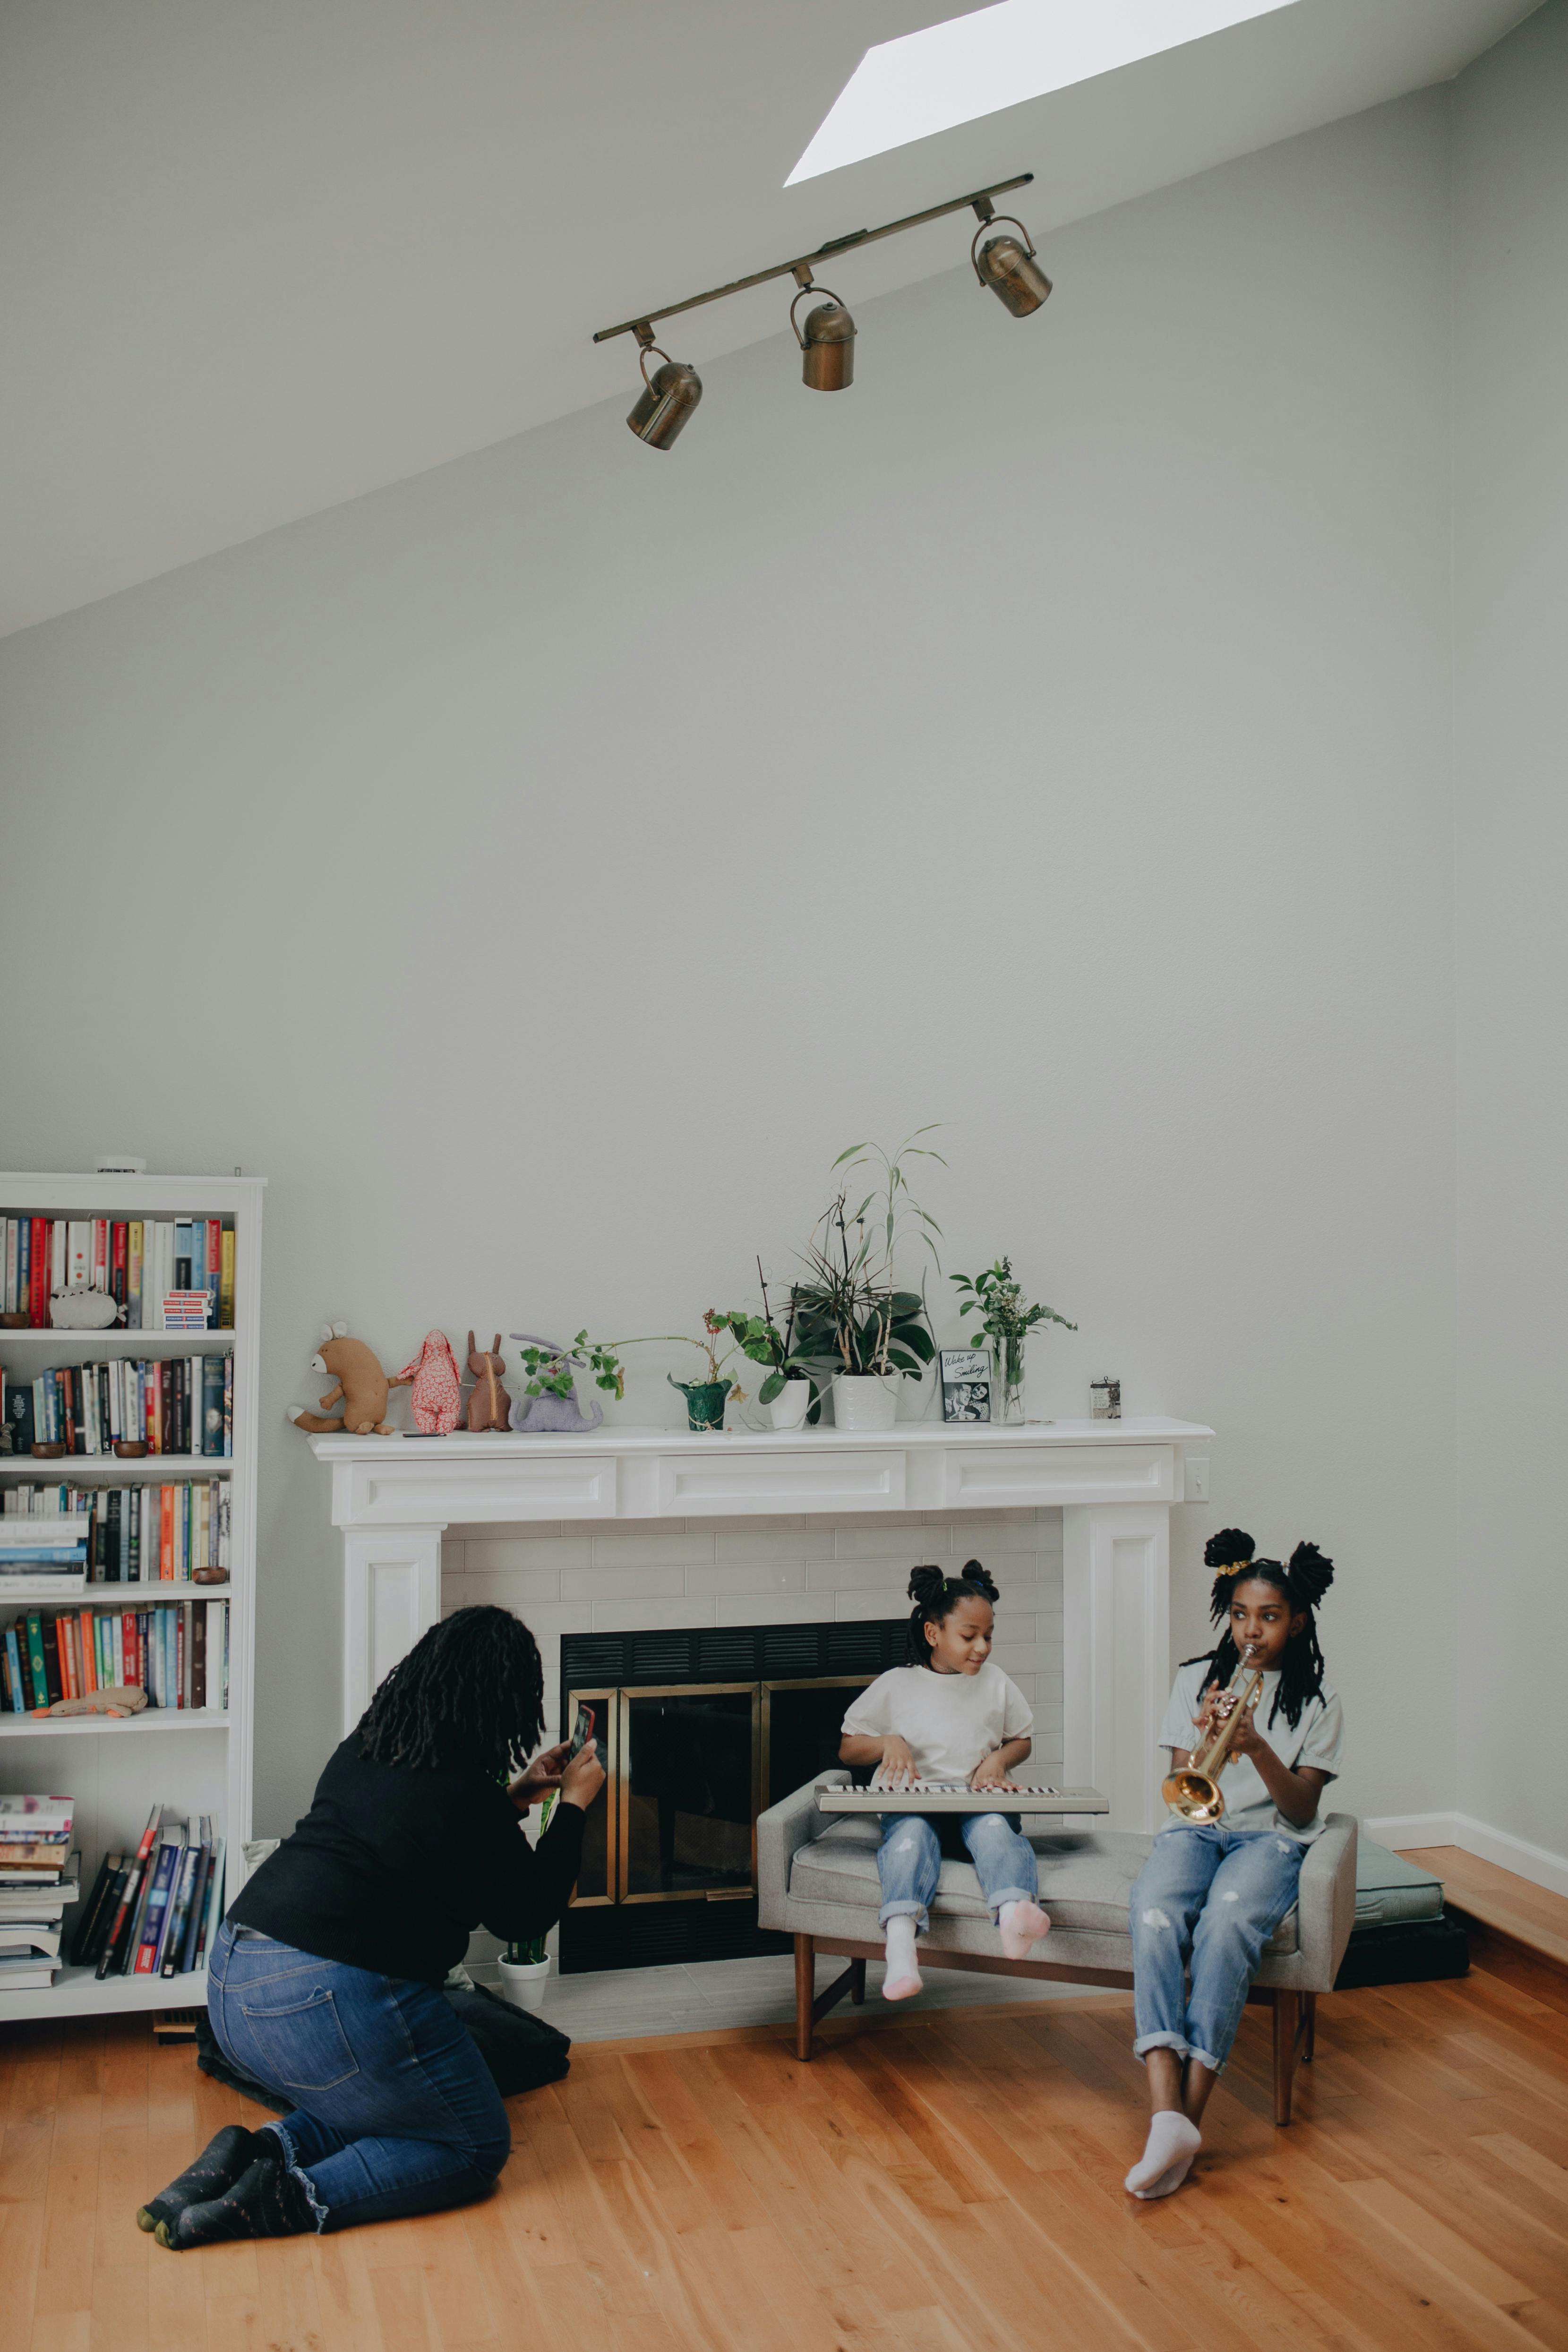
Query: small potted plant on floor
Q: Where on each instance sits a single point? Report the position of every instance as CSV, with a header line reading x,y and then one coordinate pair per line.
x,y
849,1311
998,1300
789,1391
524,1971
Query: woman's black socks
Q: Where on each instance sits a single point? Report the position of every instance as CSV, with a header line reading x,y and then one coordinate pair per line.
x,y
217,2167
267,2200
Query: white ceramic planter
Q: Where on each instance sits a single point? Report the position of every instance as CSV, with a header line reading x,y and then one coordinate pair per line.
x,y
790,1409
522,1982
865,1400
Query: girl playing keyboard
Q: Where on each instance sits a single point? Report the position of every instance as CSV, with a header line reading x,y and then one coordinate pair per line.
x,y
947,1715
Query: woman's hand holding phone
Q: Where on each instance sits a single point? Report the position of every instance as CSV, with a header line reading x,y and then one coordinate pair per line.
x,y
542,1775
583,1777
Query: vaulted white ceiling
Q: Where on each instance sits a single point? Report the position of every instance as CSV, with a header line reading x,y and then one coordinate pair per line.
x,y
257,257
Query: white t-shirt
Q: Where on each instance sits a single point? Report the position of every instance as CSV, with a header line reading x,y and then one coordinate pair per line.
x,y
950,1721
1316,1740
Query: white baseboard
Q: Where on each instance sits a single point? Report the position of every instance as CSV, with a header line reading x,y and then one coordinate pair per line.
x,y
1509,1853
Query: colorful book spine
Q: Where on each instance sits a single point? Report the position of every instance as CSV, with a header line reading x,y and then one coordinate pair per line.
x,y
226,1283
133,1275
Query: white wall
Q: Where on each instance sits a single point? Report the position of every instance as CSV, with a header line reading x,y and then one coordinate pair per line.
x,y
1049,737
1510,487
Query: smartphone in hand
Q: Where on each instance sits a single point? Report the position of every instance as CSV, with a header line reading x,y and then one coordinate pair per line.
x,y
582,1730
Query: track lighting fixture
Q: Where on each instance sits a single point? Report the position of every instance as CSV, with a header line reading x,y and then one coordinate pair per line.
x,y
1009,268
667,396
827,346
827,341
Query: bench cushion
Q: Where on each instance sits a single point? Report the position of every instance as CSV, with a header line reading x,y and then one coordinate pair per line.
x,y
1085,1882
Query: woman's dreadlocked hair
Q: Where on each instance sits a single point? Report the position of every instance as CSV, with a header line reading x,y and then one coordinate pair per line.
x,y
1303,1578
936,1597
470,1691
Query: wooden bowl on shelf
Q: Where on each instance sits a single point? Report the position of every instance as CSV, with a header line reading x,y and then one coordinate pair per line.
x,y
14,1322
130,1449
47,1452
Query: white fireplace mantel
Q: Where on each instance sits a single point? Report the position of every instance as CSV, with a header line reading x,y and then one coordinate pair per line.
x,y
1115,1482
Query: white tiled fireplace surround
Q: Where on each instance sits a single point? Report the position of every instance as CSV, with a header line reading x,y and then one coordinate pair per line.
x,y
577,1577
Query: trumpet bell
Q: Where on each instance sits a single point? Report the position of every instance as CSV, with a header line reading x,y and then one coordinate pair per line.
x,y
1192,1797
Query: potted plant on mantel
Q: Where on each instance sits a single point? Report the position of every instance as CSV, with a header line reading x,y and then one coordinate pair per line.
x,y
1006,1323
789,1391
848,1311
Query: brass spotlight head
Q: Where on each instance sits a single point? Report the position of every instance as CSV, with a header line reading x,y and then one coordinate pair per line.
x,y
667,396
827,346
1009,268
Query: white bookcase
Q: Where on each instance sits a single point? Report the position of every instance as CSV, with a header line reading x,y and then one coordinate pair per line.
x,y
197,1762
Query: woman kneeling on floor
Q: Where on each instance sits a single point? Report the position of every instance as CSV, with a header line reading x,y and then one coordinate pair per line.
x,y
325,1979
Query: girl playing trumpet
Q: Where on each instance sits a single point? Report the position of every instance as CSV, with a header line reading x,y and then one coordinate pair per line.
x,y
1211,1894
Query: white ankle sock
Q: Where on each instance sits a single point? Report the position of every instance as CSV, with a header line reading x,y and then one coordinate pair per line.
x,y
903,1976
1021,1925
1172,2145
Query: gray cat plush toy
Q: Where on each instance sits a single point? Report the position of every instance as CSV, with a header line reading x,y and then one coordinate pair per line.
x,y
553,1416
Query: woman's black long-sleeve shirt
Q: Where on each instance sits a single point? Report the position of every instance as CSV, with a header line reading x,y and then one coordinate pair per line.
x,y
392,1868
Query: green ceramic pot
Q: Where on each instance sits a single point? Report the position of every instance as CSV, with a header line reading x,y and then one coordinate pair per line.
x,y
704,1400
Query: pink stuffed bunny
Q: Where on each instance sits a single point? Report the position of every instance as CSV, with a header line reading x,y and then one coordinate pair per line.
x,y
433,1377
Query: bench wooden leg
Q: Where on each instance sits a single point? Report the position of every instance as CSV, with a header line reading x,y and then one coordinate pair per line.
x,y
1286,2008
805,1995
1308,2027
858,1981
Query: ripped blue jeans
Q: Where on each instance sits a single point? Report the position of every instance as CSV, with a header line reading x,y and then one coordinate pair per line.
x,y
394,2110
910,1859
1202,1908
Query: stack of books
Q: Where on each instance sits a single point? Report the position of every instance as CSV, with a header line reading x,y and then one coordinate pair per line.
x,y
176,1653
144,1534
137,1261
154,1909
42,1558
38,1876
175,1404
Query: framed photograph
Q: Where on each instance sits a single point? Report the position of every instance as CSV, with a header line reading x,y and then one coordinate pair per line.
x,y
966,1383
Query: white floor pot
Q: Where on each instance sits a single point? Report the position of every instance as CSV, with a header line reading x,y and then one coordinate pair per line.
x,y
790,1409
865,1400
522,1982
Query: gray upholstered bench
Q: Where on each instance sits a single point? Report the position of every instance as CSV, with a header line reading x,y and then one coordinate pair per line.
x,y
818,1882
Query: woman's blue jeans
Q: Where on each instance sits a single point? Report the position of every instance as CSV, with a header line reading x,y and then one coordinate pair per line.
x,y
396,2112
910,1857
1203,1904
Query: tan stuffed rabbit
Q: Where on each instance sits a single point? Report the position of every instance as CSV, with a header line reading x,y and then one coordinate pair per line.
x,y
488,1403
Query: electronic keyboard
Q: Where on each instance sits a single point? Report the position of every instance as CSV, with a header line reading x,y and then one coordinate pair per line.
x,y
958,1797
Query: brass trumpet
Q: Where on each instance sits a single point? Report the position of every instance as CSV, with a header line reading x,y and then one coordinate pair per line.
x,y
1194,1794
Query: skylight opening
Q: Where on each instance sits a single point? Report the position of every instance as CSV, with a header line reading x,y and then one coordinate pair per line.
x,y
999,56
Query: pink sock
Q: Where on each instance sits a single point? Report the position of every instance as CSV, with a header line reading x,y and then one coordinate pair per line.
x,y
1021,1925
903,1976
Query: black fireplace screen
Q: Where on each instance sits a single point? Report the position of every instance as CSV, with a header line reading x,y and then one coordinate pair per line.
x,y
668,1867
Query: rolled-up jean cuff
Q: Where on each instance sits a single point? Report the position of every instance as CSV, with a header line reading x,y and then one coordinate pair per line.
x,y
906,1909
285,2140
1176,2041
1010,1894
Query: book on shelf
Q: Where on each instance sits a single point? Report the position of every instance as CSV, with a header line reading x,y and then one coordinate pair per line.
x,y
178,1651
171,1404
37,1859
154,1907
138,1262
146,1534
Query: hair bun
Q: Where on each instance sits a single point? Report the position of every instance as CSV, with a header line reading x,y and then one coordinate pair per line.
x,y
1309,1573
982,1579
1232,1548
925,1586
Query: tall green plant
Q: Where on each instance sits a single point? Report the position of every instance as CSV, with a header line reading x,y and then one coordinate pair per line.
x,y
848,1309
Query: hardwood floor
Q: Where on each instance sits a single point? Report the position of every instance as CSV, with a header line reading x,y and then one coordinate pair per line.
x,y
946,2184
1498,1898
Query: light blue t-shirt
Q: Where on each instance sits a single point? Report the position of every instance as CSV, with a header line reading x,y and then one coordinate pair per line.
x,y
1316,1740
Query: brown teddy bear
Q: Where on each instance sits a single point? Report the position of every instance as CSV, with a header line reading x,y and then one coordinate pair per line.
x,y
360,1381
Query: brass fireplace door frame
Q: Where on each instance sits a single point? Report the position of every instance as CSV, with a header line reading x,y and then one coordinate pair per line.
x,y
622,1817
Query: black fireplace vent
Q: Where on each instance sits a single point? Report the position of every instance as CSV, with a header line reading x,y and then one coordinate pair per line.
x,y
730,1654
